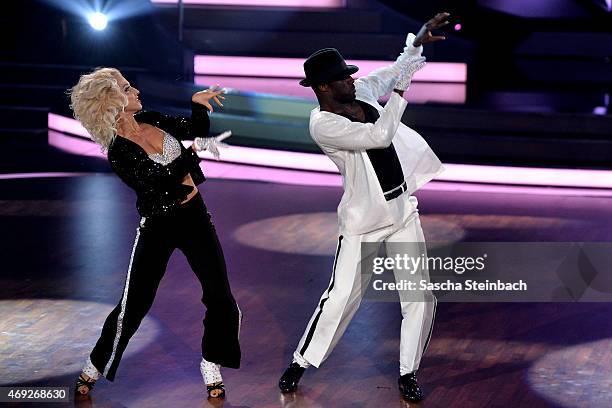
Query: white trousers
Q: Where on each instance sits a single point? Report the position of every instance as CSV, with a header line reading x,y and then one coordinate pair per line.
x,y
342,298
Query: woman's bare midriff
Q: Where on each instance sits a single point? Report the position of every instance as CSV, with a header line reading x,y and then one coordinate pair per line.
x,y
189,182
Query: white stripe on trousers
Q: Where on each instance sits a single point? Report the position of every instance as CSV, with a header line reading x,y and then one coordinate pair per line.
x,y
123,301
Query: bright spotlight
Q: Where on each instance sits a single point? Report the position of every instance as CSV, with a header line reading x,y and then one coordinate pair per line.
x,y
98,21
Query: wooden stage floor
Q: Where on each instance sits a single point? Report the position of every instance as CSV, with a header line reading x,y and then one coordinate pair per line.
x,y
65,248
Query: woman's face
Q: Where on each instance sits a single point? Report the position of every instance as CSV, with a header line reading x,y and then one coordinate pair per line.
x,y
132,93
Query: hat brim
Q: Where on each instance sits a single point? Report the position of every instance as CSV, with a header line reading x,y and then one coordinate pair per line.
x,y
347,72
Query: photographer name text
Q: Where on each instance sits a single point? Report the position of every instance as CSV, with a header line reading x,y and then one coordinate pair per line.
x,y
468,285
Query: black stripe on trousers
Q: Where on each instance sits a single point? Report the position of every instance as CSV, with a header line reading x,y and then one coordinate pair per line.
x,y
331,286
433,317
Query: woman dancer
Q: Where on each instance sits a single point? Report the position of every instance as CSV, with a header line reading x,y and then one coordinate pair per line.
x,y
144,150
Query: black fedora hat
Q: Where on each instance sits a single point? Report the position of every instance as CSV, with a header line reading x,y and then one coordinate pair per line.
x,y
326,65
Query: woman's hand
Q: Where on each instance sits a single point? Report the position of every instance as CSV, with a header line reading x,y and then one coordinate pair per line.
x,y
204,97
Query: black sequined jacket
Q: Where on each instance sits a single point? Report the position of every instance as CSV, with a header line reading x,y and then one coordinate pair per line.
x,y
159,188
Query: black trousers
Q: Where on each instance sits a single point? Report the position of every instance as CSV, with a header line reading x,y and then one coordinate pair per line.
x,y
189,229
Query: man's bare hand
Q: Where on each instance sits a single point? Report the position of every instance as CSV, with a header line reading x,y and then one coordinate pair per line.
x,y
425,36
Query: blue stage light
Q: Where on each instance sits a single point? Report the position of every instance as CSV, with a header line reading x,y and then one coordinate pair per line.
x,y
98,21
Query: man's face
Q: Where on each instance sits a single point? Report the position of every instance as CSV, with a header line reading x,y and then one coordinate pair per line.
x,y
343,90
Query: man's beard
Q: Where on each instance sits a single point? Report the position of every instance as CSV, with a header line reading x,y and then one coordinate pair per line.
x,y
346,98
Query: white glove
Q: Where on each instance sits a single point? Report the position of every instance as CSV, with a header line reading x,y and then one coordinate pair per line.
x,y
407,70
212,144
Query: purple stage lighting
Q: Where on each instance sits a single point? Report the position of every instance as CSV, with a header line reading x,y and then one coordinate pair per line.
x,y
263,3
292,68
286,163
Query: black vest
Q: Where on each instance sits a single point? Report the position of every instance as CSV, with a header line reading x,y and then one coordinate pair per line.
x,y
385,161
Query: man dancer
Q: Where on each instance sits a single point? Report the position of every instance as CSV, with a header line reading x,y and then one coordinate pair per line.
x,y
382,162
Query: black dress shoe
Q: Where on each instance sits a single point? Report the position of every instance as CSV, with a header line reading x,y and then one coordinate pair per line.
x,y
409,387
290,378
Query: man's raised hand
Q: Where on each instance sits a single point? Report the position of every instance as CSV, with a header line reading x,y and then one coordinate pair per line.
x,y
425,36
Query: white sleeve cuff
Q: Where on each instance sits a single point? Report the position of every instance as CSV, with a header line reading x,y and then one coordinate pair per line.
x,y
411,49
397,98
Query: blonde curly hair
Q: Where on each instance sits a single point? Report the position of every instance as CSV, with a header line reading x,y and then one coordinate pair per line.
x,y
96,101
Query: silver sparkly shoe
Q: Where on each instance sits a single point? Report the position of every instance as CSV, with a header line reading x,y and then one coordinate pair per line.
x,y
212,378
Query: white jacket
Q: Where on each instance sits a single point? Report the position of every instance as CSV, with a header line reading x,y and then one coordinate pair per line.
x,y
363,207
